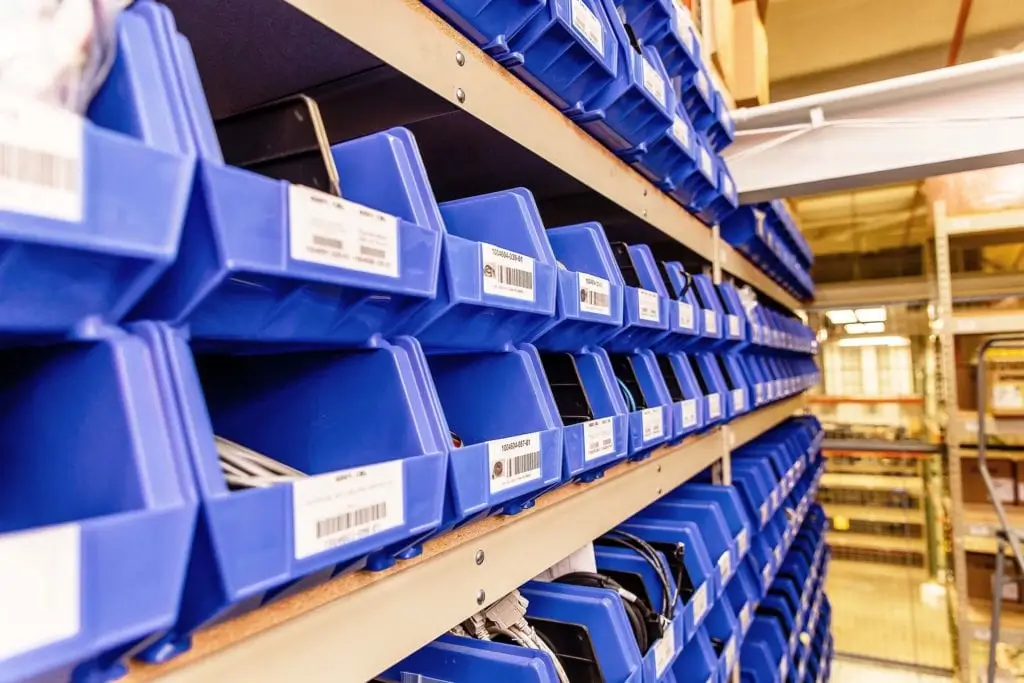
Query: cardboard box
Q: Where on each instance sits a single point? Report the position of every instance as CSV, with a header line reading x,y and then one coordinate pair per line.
x,y
981,570
717,30
750,56
1004,476
1005,383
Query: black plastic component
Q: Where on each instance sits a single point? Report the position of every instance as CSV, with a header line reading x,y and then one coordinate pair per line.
x,y
567,386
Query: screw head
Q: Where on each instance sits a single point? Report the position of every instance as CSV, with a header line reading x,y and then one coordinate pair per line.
x,y
659,468
460,58
479,556
645,191
659,492
480,596
645,213
460,95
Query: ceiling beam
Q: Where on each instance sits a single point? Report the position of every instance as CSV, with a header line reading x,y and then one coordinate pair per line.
x,y
966,287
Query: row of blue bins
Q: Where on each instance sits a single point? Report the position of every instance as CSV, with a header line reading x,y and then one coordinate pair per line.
x,y
767,235
629,72
710,538
481,360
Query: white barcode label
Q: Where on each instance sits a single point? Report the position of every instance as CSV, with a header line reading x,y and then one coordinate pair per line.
x,y
714,406
777,552
702,84
742,542
587,24
335,232
337,508
595,294
681,132
766,576
710,321
598,438
724,565
684,23
728,188
689,413
730,654
759,392
41,160
513,461
648,303
764,512
734,325
40,588
653,82
745,617
507,273
706,166
759,223
685,314
739,399
651,420
700,602
783,667
665,650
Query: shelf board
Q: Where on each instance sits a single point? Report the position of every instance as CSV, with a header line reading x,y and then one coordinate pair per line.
x,y
1011,626
988,322
836,480
845,539
430,57
877,447
875,514
980,521
869,400
995,428
312,637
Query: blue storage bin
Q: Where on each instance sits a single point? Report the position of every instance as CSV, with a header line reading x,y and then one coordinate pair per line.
x,y
647,310
697,662
724,631
636,107
744,593
96,516
490,23
713,528
722,130
589,447
719,205
601,613
635,574
671,156
766,631
257,544
698,97
458,658
696,593
718,397
660,23
755,494
730,503
695,187
757,664
645,398
567,52
685,326
497,285
589,306
685,392
507,457
86,234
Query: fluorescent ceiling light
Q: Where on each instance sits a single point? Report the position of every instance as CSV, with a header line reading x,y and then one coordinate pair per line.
x,y
875,341
841,316
822,335
870,315
865,328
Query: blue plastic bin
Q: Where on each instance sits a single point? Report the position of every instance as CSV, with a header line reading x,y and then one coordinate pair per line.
x,y
720,204
730,503
724,631
722,131
83,234
646,307
698,97
686,328
637,106
661,23
96,513
457,658
646,400
744,593
697,662
685,392
360,422
489,24
695,187
600,612
672,156
497,284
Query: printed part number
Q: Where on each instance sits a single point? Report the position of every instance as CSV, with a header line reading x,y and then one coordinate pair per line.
x,y
690,413
513,461
734,325
335,232
507,273
652,423
685,314
595,294
653,82
665,650
587,24
739,399
598,438
648,302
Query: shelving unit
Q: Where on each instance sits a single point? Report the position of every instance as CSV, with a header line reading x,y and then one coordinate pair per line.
x,y
309,636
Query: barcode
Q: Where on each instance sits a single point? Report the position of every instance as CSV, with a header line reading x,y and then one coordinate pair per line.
x,y
594,298
345,521
515,277
516,465
371,252
39,168
329,242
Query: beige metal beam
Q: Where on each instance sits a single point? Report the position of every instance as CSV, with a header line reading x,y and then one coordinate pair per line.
x,y
891,291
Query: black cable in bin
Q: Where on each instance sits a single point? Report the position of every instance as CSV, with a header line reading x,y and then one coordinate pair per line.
x,y
624,260
567,387
675,390
692,360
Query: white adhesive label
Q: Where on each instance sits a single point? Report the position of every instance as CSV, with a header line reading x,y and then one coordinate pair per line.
x,y
40,588
598,438
653,82
689,413
651,420
341,507
335,232
706,166
595,294
42,172
702,84
728,188
734,325
742,542
759,392
724,565
714,406
507,273
710,321
665,650
700,602
730,654
684,22
681,132
766,576
587,24
648,303
739,399
513,461
777,552
783,667
764,512
685,314
745,617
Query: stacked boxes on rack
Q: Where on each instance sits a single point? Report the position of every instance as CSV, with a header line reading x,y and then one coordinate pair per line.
x,y
748,563
415,365
629,72
767,235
